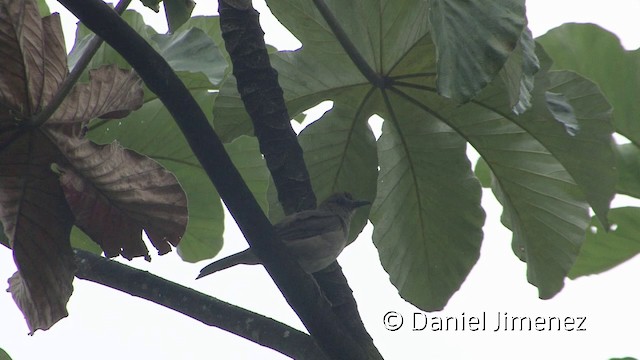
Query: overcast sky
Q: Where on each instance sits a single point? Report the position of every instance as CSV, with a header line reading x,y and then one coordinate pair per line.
x,y
106,324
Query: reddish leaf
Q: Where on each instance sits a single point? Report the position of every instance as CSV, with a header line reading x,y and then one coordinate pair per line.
x,y
116,193
112,193
37,222
34,61
112,93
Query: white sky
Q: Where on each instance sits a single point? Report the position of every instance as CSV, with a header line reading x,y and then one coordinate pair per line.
x,y
104,323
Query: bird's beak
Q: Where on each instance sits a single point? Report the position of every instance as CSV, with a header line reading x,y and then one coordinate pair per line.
x,y
358,203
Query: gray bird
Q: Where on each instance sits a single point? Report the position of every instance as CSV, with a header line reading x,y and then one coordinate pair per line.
x,y
314,237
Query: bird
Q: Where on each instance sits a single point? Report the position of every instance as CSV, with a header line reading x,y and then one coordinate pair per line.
x,y
314,237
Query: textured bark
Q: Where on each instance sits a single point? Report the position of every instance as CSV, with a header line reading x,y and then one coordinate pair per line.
x,y
263,99
298,288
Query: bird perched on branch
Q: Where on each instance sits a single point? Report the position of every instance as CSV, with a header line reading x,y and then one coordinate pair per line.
x,y
314,237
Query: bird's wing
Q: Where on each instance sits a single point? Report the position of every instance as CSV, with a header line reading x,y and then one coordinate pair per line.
x,y
317,252
308,223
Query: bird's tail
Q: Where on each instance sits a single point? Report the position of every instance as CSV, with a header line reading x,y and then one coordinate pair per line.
x,y
244,257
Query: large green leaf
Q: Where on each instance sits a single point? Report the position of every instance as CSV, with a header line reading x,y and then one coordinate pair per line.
x,y
312,73
605,249
593,52
474,38
549,163
585,148
427,213
628,161
542,173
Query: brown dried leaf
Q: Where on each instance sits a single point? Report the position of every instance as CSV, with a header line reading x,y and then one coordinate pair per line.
x,y
34,212
37,222
112,93
116,193
34,61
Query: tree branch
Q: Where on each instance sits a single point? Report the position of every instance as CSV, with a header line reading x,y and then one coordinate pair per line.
x,y
204,308
298,288
263,98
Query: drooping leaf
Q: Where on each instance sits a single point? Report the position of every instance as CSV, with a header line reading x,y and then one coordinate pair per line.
x,y
588,154
35,214
4,355
427,215
116,193
592,51
606,248
541,175
474,39
37,222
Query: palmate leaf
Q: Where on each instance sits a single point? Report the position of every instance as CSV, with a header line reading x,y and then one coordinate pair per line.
x,y
37,206
427,216
33,212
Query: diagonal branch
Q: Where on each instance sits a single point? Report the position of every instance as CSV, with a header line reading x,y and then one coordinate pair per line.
x,y
298,288
204,308
263,98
